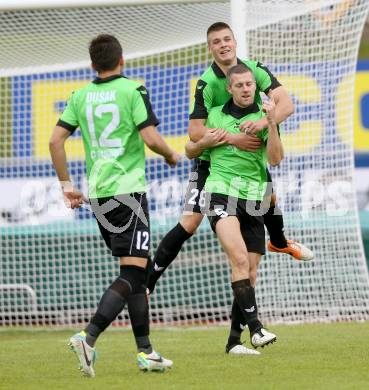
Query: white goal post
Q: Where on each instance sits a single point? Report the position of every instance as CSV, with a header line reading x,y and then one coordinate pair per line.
x,y
58,255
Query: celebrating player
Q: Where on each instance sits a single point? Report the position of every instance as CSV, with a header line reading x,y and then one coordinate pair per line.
x,y
235,189
115,117
211,91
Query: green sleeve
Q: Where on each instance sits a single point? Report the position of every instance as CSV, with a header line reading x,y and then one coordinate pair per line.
x,y
265,80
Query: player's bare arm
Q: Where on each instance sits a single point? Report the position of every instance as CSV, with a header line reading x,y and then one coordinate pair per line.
x,y
274,144
155,142
246,142
72,197
197,130
211,139
284,107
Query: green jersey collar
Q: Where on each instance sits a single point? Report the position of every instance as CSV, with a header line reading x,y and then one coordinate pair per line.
x,y
239,112
218,72
99,80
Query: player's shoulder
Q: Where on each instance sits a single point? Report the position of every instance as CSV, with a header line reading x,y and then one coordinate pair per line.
x,y
130,85
78,95
131,89
252,64
81,91
256,66
208,75
209,81
215,116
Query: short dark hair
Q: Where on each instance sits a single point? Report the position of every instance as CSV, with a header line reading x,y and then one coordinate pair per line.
x,y
239,69
217,27
105,52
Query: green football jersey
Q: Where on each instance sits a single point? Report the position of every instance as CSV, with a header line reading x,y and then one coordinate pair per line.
x,y
110,112
211,90
235,172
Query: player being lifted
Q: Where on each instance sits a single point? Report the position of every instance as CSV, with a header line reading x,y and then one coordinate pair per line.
x,y
211,91
235,189
115,117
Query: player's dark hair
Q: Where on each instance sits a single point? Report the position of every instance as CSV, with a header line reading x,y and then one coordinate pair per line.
x,y
105,52
239,69
218,26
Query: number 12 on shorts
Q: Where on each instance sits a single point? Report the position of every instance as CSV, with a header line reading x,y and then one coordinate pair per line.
x,y
142,240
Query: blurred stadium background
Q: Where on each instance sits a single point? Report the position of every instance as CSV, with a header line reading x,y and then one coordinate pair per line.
x,y
53,264
361,134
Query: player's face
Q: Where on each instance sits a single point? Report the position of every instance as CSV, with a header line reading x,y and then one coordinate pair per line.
x,y
242,86
222,46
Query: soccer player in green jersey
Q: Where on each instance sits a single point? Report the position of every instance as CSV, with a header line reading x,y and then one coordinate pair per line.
x,y
235,189
211,91
116,119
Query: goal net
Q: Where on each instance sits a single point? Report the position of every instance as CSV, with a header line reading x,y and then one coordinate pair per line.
x,y
54,265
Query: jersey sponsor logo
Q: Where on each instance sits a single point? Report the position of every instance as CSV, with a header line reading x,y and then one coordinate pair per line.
x,y
231,148
250,310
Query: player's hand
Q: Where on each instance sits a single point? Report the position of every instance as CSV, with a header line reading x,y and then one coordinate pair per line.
x,y
251,128
213,138
73,199
269,108
173,159
248,143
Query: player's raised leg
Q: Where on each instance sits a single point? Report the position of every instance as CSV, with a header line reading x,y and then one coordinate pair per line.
x,y
273,220
191,218
170,246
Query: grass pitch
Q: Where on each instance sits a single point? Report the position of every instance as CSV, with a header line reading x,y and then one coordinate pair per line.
x,y
319,356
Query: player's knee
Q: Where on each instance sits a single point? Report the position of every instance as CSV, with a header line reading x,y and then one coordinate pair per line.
x,y
134,276
240,261
191,222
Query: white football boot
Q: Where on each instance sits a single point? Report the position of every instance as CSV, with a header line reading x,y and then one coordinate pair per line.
x,y
262,337
85,354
